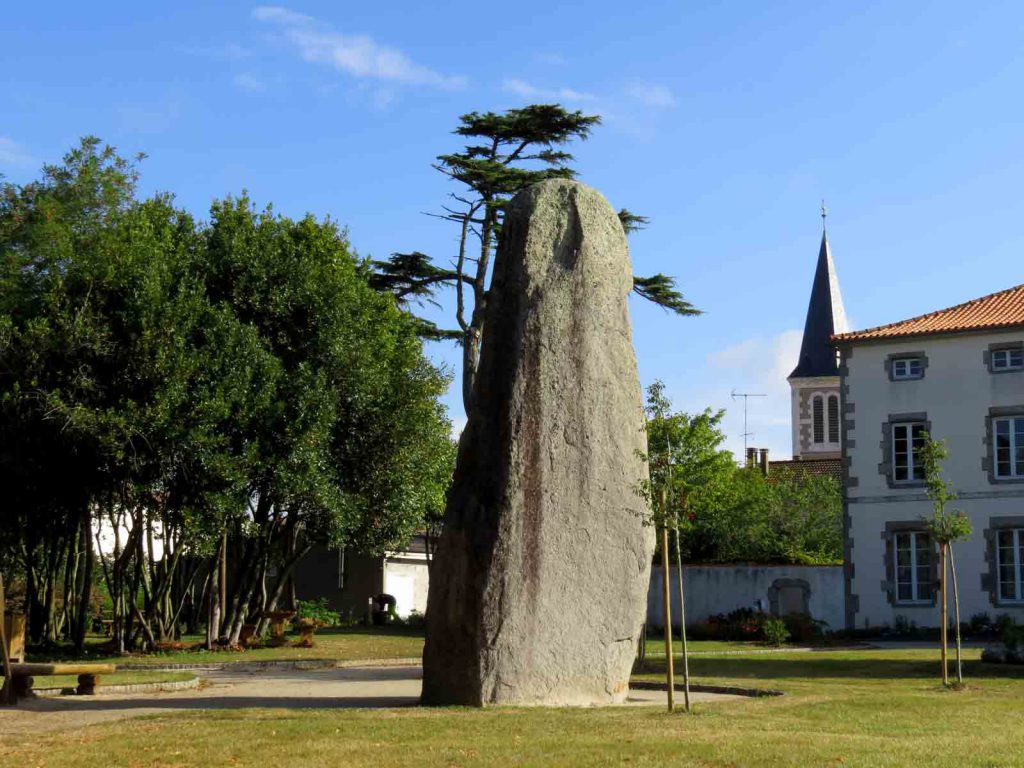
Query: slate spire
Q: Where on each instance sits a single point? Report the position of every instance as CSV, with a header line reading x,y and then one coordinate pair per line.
x,y
825,317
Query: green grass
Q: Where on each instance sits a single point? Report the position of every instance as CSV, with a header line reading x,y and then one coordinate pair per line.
x,y
346,644
118,678
849,708
656,646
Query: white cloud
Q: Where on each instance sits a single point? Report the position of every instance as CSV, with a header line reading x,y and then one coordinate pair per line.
x,y
13,154
249,82
651,95
760,365
357,55
528,91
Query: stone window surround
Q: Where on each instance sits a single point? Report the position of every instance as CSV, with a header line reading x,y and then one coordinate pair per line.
x,y
887,363
989,576
988,461
987,356
892,527
886,467
825,395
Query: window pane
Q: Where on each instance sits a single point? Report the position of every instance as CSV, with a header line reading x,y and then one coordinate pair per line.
x,y
1018,440
1002,430
819,419
924,549
999,358
925,591
904,593
899,368
1006,591
833,419
1016,358
914,367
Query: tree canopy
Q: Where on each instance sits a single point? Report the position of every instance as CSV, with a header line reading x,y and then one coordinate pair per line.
x,y
235,384
727,513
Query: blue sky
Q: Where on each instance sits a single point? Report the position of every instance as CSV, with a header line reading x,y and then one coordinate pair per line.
x,y
725,123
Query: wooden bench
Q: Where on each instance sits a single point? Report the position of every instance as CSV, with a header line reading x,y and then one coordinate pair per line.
x,y
88,676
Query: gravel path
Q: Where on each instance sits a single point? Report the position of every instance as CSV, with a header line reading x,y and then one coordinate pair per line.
x,y
391,686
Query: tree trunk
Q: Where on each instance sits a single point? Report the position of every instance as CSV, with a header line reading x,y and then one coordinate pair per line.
x,y
85,544
213,616
944,617
682,623
956,617
666,589
7,691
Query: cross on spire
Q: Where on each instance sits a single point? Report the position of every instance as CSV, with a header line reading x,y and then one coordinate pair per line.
x,y
824,213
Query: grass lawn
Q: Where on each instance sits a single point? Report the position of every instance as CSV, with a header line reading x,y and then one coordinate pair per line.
x,y
118,678
346,644
850,708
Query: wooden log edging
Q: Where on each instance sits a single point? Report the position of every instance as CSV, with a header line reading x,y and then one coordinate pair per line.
x,y
756,693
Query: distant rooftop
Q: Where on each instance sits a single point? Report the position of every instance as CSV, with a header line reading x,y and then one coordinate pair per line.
x,y
1004,309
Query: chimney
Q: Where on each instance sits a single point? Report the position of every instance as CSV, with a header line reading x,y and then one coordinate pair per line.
x,y
764,462
751,457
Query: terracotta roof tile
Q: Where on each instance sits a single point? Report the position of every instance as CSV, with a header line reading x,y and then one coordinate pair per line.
x,y
997,310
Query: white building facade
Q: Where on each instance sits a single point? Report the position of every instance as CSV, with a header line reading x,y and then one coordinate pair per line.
x,y
957,375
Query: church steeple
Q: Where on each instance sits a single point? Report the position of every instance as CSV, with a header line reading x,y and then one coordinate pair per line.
x,y
825,316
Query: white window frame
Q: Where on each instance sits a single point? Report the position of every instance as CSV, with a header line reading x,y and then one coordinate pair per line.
x,y
911,463
1017,539
915,566
1016,448
907,364
1006,356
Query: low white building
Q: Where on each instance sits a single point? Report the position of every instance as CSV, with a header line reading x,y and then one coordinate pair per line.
x,y
958,375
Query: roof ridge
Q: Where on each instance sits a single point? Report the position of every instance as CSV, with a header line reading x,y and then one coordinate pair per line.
x,y
928,315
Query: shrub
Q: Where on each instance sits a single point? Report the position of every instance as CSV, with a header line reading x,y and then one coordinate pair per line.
x,y
980,624
775,632
805,629
318,611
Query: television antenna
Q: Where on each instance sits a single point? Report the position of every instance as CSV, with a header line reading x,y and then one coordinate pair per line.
x,y
746,396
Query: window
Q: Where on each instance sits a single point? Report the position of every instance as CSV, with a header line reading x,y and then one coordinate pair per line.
x,y
1010,564
833,419
1008,359
907,442
1009,442
913,553
904,368
818,412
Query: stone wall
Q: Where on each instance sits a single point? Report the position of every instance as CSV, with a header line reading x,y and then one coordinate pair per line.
x,y
714,589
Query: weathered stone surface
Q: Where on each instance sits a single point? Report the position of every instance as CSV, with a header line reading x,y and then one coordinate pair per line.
x,y
539,584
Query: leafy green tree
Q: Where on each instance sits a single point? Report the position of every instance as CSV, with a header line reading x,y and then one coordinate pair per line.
x,y
685,457
339,450
508,152
192,390
946,527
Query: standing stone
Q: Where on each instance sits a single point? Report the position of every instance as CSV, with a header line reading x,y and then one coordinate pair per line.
x,y
539,583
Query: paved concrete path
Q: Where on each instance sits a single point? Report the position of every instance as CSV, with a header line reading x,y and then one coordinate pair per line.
x,y
238,689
